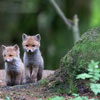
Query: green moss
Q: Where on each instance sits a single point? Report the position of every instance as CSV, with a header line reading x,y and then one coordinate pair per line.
x,y
78,58
43,82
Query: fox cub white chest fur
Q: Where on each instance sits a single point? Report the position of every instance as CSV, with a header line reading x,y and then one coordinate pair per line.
x,y
14,68
32,59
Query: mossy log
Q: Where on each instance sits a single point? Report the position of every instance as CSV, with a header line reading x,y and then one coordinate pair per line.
x,y
76,62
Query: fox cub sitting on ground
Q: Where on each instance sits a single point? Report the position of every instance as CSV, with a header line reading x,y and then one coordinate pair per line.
x,y
14,68
32,59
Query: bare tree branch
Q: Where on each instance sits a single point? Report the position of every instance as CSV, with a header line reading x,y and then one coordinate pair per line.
x,y
61,14
72,24
75,28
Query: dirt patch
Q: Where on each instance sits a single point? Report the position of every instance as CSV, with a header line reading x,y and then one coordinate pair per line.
x,y
30,91
23,92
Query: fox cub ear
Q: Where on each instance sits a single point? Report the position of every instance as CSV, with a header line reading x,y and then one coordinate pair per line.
x,y
24,36
3,47
38,37
16,48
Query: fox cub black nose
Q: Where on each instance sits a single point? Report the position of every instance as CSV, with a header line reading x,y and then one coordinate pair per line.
x,y
29,50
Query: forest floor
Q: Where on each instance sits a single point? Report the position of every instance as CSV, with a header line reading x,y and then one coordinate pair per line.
x,y
22,92
28,91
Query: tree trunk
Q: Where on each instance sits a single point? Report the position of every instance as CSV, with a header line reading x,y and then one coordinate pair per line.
x,y
76,62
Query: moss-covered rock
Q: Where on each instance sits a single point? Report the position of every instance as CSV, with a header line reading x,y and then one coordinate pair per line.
x,y
77,60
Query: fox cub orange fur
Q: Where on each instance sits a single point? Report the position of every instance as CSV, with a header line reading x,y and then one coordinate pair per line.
x,y
14,68
32,59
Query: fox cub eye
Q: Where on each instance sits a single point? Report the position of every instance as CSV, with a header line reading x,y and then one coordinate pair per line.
x,y
4,55
26,45
10,55
33,45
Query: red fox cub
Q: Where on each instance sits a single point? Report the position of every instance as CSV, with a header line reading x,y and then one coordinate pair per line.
x,y
32,59
14,68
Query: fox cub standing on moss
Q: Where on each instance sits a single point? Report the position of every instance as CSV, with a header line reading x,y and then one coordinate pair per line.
x,y
33,60
14,68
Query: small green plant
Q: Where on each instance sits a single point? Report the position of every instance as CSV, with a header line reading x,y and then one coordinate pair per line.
x,y
7,98
54,98
39,99
93,75
77,97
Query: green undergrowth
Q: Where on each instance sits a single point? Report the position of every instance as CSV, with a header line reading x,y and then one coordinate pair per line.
x,y
43,82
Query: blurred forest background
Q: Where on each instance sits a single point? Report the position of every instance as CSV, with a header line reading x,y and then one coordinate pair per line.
x,y
40,16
